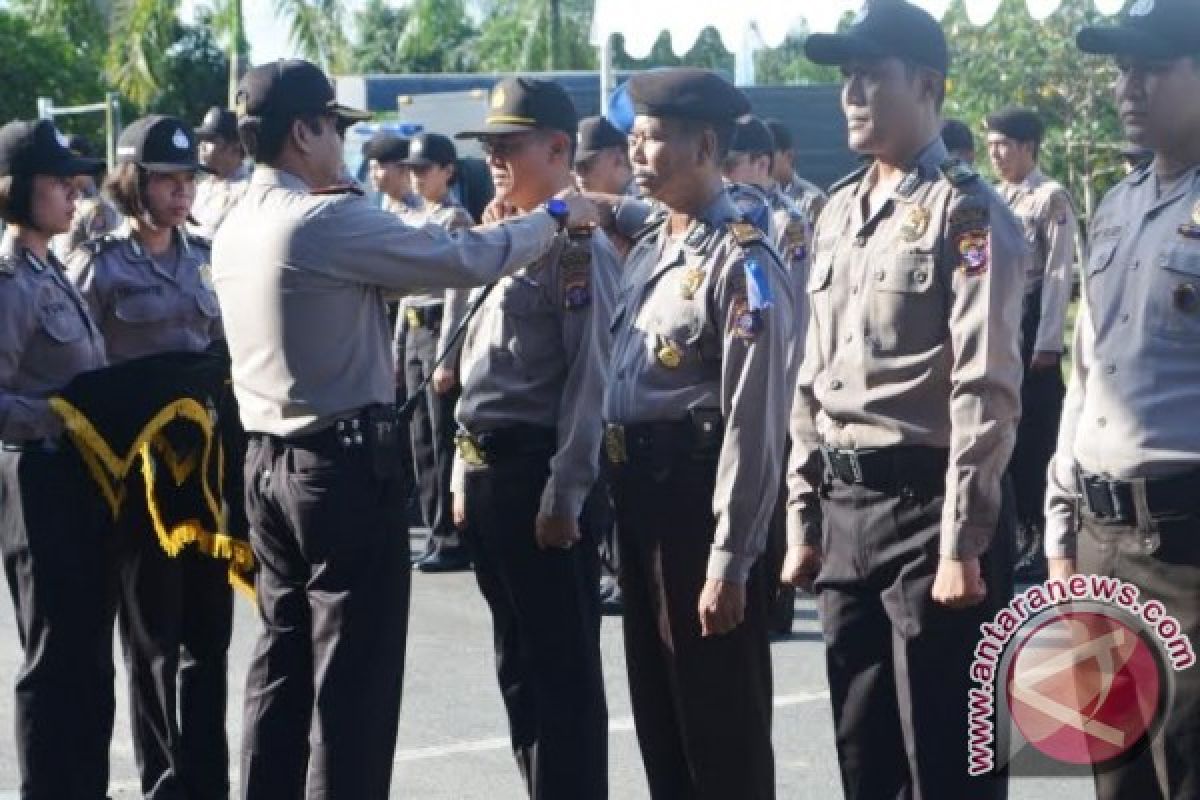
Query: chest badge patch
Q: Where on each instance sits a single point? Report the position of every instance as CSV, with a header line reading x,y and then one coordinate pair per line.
x,y
689,284
916,222
669,355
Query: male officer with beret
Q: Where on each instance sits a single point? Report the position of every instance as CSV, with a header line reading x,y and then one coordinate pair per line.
x,y
534,366
905,414
301,266
1124,497
1047,217
696,412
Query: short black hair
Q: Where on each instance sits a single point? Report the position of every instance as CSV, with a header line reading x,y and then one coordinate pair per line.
x,y
722,130
16,199
263,138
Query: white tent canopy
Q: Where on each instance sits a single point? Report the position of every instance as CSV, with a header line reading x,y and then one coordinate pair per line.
x,y
747,25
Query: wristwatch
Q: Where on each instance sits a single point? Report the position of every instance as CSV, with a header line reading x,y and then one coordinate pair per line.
x,y
558,209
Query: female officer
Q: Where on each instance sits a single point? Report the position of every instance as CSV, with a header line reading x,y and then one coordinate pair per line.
x,y
52,519
146,289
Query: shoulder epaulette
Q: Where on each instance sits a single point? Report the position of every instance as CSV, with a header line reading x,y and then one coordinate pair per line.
x,y
744,233
336,189
853,177
8,266
958,172
652,223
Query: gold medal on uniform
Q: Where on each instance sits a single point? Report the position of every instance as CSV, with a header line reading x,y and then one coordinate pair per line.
x,y
916,222
689,284
669,355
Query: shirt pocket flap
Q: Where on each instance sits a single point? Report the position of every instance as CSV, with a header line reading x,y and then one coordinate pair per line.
x,y
61,323
141,307
912,274
1101,255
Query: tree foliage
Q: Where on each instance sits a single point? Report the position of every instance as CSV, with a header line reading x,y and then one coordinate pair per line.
x,y
517,35
438,37
317,29
376,48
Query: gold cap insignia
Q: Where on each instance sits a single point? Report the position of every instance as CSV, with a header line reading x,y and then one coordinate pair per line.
x,y
498,99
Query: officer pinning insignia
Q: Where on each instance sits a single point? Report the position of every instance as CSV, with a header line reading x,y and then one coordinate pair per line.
x,y
669,354
1186,298
916,222
972,247
690,283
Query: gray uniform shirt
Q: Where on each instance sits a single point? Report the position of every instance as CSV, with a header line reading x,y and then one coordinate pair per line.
x,y
144,306
1134,389
1047,216
301,277
913,340
685,337
215,198
537,353
47,338
807,196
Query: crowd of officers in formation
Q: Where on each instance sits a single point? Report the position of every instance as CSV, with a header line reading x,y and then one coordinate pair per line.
x,y
663,332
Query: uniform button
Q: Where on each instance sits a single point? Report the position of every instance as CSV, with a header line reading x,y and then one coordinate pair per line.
x,y
849,338
835,384
1110,370
1101,422
1135,265
853,290
1124,318
920,277
880,276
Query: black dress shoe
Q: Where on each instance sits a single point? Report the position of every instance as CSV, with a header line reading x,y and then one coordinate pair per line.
x,y
781,612
446,559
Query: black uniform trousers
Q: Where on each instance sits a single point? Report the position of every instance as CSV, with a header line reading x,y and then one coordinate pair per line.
x,y
1169,769
545,608
176,621
897,662
324,683
701,705
1042,394
55,537
432,431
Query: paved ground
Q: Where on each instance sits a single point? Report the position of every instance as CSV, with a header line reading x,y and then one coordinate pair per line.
x,y
453,742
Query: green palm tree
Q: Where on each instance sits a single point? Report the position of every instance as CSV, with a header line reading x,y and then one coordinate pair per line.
x,y
318,31
140,33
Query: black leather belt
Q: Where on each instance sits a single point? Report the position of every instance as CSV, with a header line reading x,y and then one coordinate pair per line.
x,y
660,442
502,444
1115,502
347,433
888,469
423,317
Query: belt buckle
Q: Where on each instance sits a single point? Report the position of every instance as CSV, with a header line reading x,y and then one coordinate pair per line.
x,y
614,444
468,448
412,317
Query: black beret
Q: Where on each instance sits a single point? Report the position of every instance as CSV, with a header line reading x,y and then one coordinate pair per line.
x,y
1020,124
1152,29
884,29
957,136
596,134
687,93
751,135
781,133
386,147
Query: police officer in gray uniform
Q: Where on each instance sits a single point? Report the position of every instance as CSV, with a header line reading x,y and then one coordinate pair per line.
x,y
904,417
222,152
302,266
602,158
53,521
696,413
1124,495
425,325
534,367
807,196
146,287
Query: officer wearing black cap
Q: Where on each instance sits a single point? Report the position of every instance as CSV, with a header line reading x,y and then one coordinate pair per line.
x,y
147,287
1124,497
602,158
807,196
1047,216
534,365
222,152
302,267
53,523
425,327
390,176
959,140
696,414
904,417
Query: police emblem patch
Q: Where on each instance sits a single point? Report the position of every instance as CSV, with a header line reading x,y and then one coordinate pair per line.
x,y
972,249
576,295
916,222
180,140
744,322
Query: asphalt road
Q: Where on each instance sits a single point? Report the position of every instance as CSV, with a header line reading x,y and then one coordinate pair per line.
x,y
453,743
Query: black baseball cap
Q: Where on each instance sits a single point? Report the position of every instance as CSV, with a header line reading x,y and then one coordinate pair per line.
x,y
159,144
218,123
35,147
751,135
687,93
1154,29
524,104
291,87
596,134
1020,124
884,29
431,148
386,148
